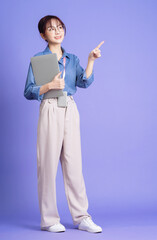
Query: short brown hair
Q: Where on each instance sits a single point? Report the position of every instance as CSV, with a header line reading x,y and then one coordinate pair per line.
x,y
44,20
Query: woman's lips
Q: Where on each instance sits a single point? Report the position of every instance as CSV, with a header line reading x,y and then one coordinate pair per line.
x,y
58,37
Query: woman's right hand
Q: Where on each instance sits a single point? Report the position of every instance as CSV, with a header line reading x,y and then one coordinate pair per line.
x,y
57,82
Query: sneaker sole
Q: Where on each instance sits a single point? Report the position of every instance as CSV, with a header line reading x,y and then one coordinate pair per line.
x,y
43,229
90,230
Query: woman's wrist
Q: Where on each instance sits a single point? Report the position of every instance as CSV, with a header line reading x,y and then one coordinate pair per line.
x,y
90,60
49,86
89,68
45,88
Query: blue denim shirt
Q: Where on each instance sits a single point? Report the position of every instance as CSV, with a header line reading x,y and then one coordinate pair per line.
x,y
75,76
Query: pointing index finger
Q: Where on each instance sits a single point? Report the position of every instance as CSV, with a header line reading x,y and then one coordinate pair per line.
x,y
100,44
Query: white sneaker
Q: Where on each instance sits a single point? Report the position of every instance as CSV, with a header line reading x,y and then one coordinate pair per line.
x,y
58,227
88,225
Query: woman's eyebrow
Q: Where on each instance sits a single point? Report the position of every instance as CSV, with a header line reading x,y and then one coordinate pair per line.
x,y
54,26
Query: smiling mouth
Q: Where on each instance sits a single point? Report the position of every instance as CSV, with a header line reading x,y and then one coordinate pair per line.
x,y
58,37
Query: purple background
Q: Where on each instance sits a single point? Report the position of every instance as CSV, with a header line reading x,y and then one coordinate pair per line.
x,y
118,115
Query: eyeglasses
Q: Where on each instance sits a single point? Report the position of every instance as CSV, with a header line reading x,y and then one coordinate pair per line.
x,y
52,28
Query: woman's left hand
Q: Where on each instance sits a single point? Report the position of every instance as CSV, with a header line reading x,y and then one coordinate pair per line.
x,y
95,53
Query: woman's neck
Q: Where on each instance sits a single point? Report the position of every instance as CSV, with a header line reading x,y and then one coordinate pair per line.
x,y
55,48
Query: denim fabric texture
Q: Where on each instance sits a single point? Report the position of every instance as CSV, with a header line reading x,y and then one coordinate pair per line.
x,y
75,76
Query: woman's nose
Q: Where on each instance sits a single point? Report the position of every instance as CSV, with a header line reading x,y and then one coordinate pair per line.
x,y
57,30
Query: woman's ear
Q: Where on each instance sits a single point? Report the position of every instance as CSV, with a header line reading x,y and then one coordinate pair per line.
x,y
43,36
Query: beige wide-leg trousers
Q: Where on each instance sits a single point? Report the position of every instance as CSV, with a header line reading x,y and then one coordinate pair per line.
x,y
58,137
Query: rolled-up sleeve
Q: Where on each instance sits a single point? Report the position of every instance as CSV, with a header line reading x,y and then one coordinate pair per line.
x,y
31,90
81,79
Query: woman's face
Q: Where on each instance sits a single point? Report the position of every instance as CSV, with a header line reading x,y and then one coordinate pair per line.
x,y
54,32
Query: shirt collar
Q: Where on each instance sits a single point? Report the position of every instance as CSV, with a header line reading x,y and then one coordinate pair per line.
x,y
47,50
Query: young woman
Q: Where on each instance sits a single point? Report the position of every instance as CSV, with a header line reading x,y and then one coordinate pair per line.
x,y
58,132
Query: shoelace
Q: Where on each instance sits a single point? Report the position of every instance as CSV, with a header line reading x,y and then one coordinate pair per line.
x,y
55,224
91,221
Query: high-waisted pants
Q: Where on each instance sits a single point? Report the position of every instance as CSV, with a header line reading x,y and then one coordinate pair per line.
x,y
58,137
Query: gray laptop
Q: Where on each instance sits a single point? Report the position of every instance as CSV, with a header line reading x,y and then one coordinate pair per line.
x,y
45,67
